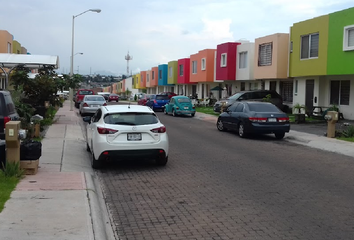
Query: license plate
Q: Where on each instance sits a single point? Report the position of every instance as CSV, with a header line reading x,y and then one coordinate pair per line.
x,y
272,120
134,136
94,105
186,107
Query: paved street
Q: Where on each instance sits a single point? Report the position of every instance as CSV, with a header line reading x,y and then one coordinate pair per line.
x,y
218,186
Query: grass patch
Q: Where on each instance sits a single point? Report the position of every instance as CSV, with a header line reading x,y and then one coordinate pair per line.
x,y
207,110
346,139
9,178
307,119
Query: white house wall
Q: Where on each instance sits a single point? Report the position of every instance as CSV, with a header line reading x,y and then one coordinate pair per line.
x,y
245,73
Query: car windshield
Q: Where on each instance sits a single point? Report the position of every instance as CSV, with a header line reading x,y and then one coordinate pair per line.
x,y
131,118
95,98
85,92
183,100
255,107
162,97
235,96
113,95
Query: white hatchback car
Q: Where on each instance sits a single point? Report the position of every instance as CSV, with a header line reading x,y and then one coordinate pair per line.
x,y
126,132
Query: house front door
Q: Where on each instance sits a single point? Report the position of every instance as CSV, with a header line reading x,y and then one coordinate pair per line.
x,y
310,84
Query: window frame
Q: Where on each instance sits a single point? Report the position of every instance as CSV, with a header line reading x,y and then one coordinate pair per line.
x,y
309,46
242,59
170,71
223,60
266,63
346,30
194,66
181,70
203,64
340,93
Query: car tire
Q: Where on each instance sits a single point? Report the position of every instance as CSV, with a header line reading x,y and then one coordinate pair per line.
x,y
95,164
162,161
193,114
279,135
165,111
220,126
241,130
88,147
76,105
174,113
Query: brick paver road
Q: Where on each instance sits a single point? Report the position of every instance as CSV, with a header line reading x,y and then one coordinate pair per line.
x,y
218,186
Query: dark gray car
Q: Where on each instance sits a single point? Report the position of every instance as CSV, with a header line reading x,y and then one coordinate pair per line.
x,y
257,95
7,110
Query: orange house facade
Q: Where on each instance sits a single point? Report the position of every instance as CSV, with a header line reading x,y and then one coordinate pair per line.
x,y
202,72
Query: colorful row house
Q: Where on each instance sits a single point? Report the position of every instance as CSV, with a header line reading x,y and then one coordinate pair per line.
x,y
312,66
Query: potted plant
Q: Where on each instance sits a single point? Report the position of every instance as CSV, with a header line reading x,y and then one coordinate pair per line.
x,y
299,113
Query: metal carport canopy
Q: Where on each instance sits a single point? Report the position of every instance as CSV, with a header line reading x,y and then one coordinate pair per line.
x,y
30,61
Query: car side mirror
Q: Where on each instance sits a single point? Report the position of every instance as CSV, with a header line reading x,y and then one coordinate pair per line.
x,y
87,119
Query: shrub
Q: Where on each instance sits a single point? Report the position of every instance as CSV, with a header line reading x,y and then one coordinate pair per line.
x,y
348,132
13,170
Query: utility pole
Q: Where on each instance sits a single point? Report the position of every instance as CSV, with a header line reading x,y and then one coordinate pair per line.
x,y
128,58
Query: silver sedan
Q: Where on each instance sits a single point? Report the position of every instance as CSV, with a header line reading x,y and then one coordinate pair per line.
x,y
91,103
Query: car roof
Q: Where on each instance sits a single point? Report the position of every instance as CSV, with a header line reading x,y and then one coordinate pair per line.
x,y
126,108
180,96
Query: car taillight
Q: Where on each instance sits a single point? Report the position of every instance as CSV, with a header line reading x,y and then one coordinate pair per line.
x,y
257,119
193,107
102,130
283,119
105,104
6,120
155,101
159,130
85,105
177,108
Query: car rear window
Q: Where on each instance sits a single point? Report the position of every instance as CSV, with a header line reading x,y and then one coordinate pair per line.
x,y
162,97
255,107
131,118
183,100
95,98
85,92
9,104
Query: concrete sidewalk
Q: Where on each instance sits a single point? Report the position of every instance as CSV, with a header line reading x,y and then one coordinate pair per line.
x,y
64,199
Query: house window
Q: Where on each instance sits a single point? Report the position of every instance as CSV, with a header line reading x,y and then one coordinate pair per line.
x,y
309,46
340,92
265,54
153,75
242,60
243,87
142,79
9,48
286,91
203,63
147,77
291,46
223,62
181,70
170,72
348,38
160,74
194,67
296,82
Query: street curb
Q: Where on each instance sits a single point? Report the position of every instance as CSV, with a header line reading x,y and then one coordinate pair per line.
x,y
101,223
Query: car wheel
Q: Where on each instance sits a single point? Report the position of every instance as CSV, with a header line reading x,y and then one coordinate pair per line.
x,y
279,135
241,130
174,113
192,114
220,126
88,147
76,105
95,164
165,111
162,161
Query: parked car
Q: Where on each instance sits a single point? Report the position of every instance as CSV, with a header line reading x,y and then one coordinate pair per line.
x,y
80,94
257,95
180,105
113,97
169,94
7,110
144,98
126,132
158,103
254,118
91,103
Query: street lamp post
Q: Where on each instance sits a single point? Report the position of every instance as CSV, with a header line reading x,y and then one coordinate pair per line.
x,y
72,54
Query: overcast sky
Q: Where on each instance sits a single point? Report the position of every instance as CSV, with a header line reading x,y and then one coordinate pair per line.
x,y
153,31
